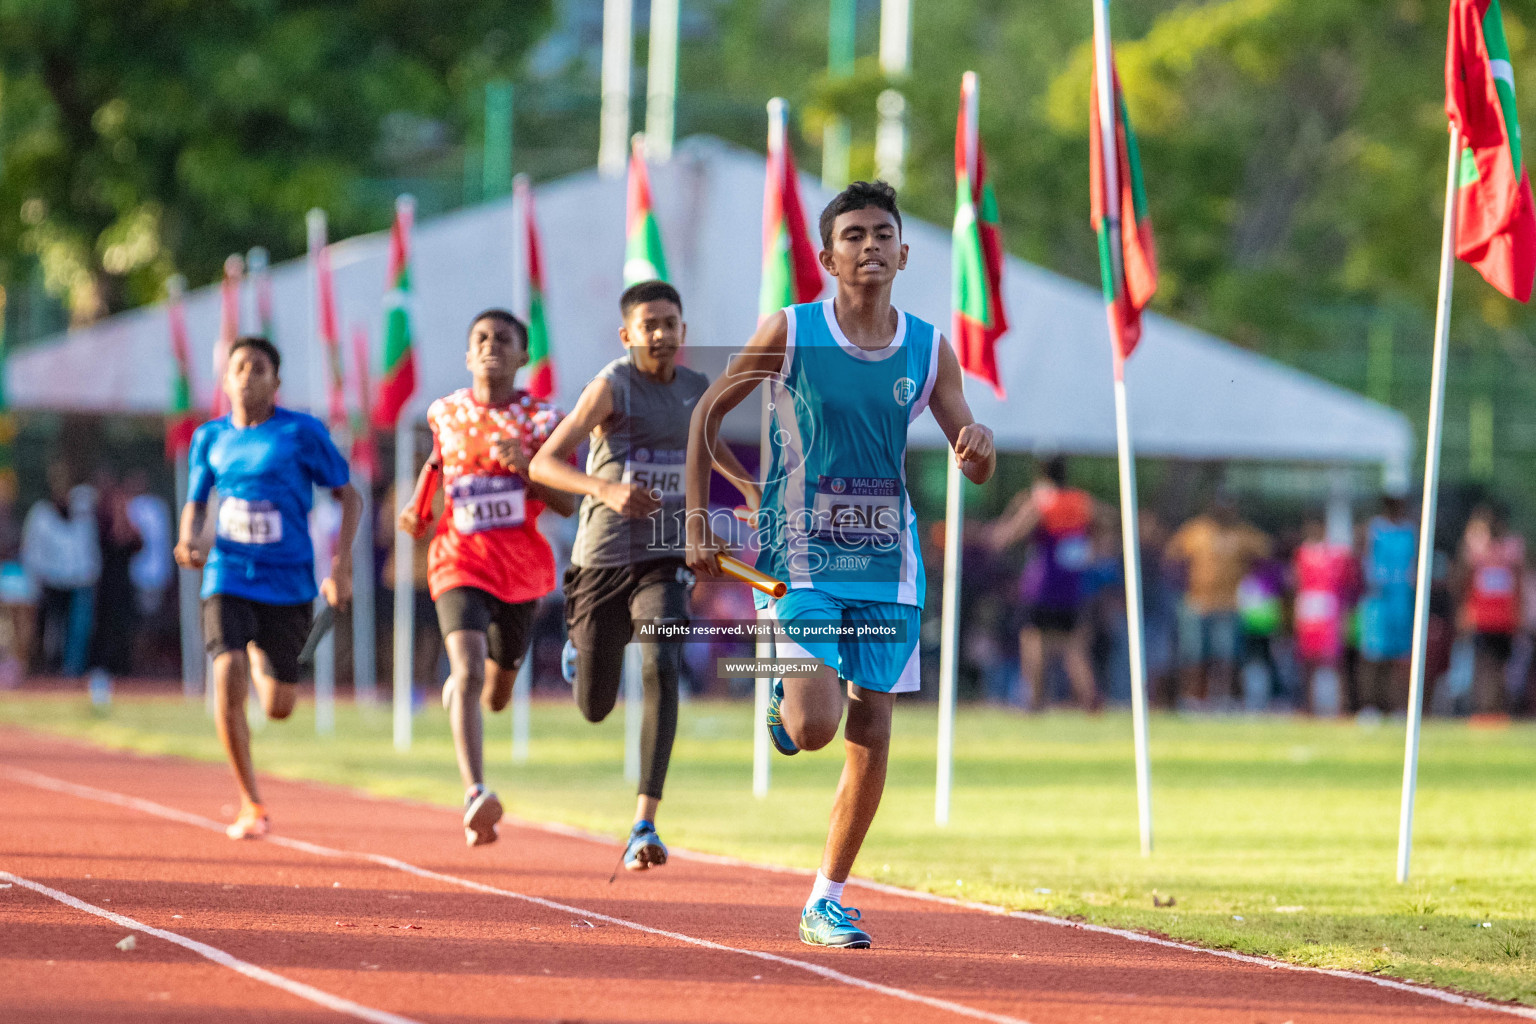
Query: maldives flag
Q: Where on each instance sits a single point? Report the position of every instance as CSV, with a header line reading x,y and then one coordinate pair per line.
x,y
399,381
1495,219
325,320
1129,275
229,330
643,256
541,370
791,272
180,422
977,296
365,452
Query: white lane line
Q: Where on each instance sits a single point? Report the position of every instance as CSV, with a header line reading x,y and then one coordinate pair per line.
x,y
218,956
47,782
1454,998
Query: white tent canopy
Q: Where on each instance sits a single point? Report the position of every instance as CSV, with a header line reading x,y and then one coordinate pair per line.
x,y
1192,395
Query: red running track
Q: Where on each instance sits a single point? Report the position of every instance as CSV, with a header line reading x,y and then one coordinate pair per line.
x,y
370,909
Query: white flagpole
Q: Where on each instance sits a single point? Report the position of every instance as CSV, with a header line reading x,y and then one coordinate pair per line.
x,y
405,582
634,716
365,670
522,301
895,63
187,585
1431,506
954,528
521,690
762,757
949,643
325,654
1129,528
762,686
618,57
661,81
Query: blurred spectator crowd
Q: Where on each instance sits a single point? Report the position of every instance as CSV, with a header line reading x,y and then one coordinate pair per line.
x,y
1236,619
1239,620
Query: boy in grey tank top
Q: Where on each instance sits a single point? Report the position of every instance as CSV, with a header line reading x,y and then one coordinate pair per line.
x,y
628,560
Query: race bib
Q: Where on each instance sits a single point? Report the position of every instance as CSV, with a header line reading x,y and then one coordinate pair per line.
x,y
1495,581
854,510
483,503
658,471
1316,606
250,522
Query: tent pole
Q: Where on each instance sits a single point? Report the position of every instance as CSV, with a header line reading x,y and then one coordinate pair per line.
x,y
1427,521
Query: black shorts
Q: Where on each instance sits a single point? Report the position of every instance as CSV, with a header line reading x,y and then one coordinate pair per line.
x,y
1052,620
507,627
229,623
602,604
1498,646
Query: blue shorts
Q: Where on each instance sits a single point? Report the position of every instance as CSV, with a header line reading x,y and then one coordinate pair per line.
x,y
1386,625
883,666
1206,636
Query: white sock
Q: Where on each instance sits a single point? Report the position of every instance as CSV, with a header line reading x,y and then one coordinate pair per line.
x,y
825,888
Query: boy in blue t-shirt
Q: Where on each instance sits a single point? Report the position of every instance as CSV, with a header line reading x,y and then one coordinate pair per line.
x,y
259,577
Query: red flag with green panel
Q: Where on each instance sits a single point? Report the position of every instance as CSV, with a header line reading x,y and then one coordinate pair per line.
x,y
399,380
1137,282
365,449
791,272
977,296
229,329
1495,218
644,259
541,370
180,420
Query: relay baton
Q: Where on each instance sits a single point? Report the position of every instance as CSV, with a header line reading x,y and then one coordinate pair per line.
x,y
325,618
761,581
423,509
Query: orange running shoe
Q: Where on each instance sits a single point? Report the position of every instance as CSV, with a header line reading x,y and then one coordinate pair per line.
x,y
252,823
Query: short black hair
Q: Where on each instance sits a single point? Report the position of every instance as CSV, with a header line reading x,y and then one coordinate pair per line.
x,y
858,196
1054,469
511,320
648,291
260,344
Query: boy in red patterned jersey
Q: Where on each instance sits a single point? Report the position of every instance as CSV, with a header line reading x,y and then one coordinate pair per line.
x,y
488,565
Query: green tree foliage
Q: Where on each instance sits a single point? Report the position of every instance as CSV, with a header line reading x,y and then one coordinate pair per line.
x,y
1294,149
138,138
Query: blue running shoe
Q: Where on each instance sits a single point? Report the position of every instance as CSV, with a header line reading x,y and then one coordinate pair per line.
x,y
645,849
776,731
828,923
568,663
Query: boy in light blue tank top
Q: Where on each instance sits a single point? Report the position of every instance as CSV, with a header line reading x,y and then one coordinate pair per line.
x,y
846,378
1386,613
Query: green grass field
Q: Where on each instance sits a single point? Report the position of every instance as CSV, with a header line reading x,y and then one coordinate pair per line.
x,y
1274,837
